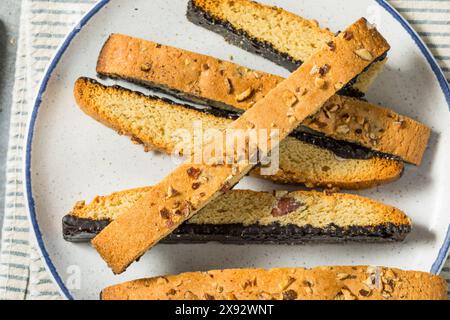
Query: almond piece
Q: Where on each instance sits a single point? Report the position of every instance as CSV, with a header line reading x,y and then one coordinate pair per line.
x,y
146,66
171,192
342,276
188,295
320,83
314,70
344,129
228,85
244,95
364,54
162,281
289,98
338,86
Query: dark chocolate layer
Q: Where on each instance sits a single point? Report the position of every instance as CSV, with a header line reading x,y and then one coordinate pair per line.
x,y
79,230
242,39
342,149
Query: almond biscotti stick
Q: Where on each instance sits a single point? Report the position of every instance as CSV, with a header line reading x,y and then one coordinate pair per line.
x,y
280,112
203,79
244,216
322,283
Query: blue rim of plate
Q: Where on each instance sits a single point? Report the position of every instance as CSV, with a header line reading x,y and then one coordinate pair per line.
x,y
445,249
437,265
29,192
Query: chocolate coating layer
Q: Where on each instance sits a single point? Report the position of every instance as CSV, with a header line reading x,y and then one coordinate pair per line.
x,y
80,230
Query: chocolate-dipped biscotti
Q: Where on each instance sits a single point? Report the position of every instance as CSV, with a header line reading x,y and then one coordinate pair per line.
x,y
350,127
155,122
276,34
244,217
157,214
323,283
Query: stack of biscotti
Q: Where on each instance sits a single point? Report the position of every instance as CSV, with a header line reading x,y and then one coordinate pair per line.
x,y
242,217
327,140
323,283
159,212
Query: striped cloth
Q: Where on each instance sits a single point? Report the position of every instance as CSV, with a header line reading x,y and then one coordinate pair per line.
x,y
44,23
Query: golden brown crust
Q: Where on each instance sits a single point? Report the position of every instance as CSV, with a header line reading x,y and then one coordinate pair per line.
x,y
372,126
323,283
300,163
247,207
342,118
133,233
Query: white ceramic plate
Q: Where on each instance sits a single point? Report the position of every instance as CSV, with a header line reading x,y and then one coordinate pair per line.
x,y
72,157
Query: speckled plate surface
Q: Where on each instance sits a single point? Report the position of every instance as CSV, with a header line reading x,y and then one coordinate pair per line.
x,y
72,157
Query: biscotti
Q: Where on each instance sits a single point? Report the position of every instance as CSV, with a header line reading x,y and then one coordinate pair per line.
x,y
322,283
276,34
155,123
206,80
156,215
243,217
